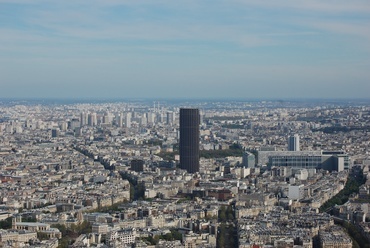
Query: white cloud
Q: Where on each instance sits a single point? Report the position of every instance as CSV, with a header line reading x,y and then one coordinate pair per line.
x,y
333,6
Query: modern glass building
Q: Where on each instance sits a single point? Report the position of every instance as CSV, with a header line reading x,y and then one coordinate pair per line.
x,y
189,139
249,160
296,161
331,161
293,143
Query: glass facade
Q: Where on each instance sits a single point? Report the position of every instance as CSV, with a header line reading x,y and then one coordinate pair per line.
x,y
296,161
189,139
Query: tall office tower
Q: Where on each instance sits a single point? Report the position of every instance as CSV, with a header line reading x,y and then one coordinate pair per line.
x,y
161,117
74,123
128,119
83,119
170,118
108,118
105,119
120,120
143,120
63,126
189,139
92,119
151,117
293,143
201,117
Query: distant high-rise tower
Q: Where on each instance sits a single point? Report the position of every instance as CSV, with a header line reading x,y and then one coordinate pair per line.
x,y
189,139
54,133
83,119
92,119
120,120
108,118
150,117
293,143
128,120
170,118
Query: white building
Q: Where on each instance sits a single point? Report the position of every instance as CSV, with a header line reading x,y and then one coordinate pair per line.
x,y
126,236
296,192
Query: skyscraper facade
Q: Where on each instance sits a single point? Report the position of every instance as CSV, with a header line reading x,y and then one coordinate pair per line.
x,y
83,119
189,139
92,119
170,118
120,120
128,120
293,143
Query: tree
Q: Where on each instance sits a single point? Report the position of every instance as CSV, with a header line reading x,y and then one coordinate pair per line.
x,y
168,236
176,234
355,180
221,236
229,213
29,219
222,214
6,224
152,240
84,227
132,192
63,243
42,236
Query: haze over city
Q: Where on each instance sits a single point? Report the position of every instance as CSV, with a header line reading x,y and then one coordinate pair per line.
x,y
189,49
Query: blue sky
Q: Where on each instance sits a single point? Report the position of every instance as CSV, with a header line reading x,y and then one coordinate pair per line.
x,y
185,49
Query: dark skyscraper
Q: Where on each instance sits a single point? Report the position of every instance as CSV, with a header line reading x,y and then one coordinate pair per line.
x,y
189,139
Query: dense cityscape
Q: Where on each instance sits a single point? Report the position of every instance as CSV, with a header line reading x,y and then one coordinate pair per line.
x,y
166,173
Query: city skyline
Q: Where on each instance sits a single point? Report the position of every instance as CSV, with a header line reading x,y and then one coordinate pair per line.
x,y
233,49
119,171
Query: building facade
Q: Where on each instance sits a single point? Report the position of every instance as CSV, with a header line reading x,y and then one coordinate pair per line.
x,y
189,139
249,160
293,143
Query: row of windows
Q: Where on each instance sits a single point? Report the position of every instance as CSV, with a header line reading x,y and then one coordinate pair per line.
x,y
311,162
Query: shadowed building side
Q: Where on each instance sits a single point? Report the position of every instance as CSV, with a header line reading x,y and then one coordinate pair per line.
x,y
189,139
